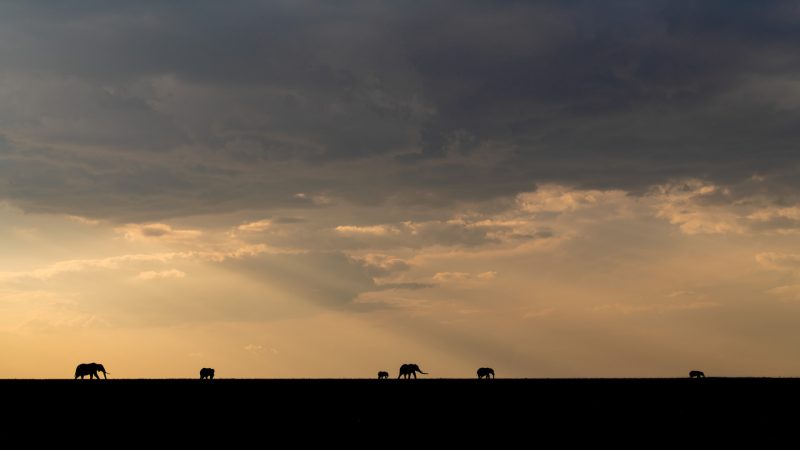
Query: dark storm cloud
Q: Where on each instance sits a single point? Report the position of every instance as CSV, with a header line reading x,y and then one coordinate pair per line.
x,y
425,103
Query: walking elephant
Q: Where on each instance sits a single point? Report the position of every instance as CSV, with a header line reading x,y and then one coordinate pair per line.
x,y
485,372
90,369
206,372
382,375
407,370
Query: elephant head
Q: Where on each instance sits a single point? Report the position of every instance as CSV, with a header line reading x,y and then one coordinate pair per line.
x,y
486,372
91,370
407,370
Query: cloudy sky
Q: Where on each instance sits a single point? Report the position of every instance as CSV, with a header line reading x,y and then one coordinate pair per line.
x,y
314,189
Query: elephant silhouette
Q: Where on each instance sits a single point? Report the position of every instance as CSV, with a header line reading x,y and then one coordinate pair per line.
x,y
696,374
382,375
485,372
90,369
206,372
407,370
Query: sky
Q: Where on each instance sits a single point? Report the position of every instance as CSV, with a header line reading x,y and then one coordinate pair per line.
x,y
314,189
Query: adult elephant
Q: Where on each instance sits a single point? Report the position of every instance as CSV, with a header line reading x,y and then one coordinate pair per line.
x,y
485,372
407,370
206,372
90,369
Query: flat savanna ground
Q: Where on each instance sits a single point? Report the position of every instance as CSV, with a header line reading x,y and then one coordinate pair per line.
x,y
568,408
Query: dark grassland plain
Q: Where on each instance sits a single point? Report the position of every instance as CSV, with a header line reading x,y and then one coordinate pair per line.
x,y
532,411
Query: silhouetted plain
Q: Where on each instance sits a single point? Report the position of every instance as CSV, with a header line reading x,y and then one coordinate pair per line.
x,y
485,372
370,411
382,375
206,372
696,374
407,370
90,369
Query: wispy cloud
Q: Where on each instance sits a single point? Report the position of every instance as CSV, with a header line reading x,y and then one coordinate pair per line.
x,y
554,198
259,225
83,220
160,275
788,262
156,231
683,204
375,230
116,262
259,349
451,277
656,308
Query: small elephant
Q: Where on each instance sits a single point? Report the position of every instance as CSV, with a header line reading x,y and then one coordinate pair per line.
x,y
206,372
382,375
407,370
696,374
90,369
485,372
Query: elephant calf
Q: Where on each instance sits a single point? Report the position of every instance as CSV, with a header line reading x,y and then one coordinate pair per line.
x,y
696,374
485,372
206,372
382,375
